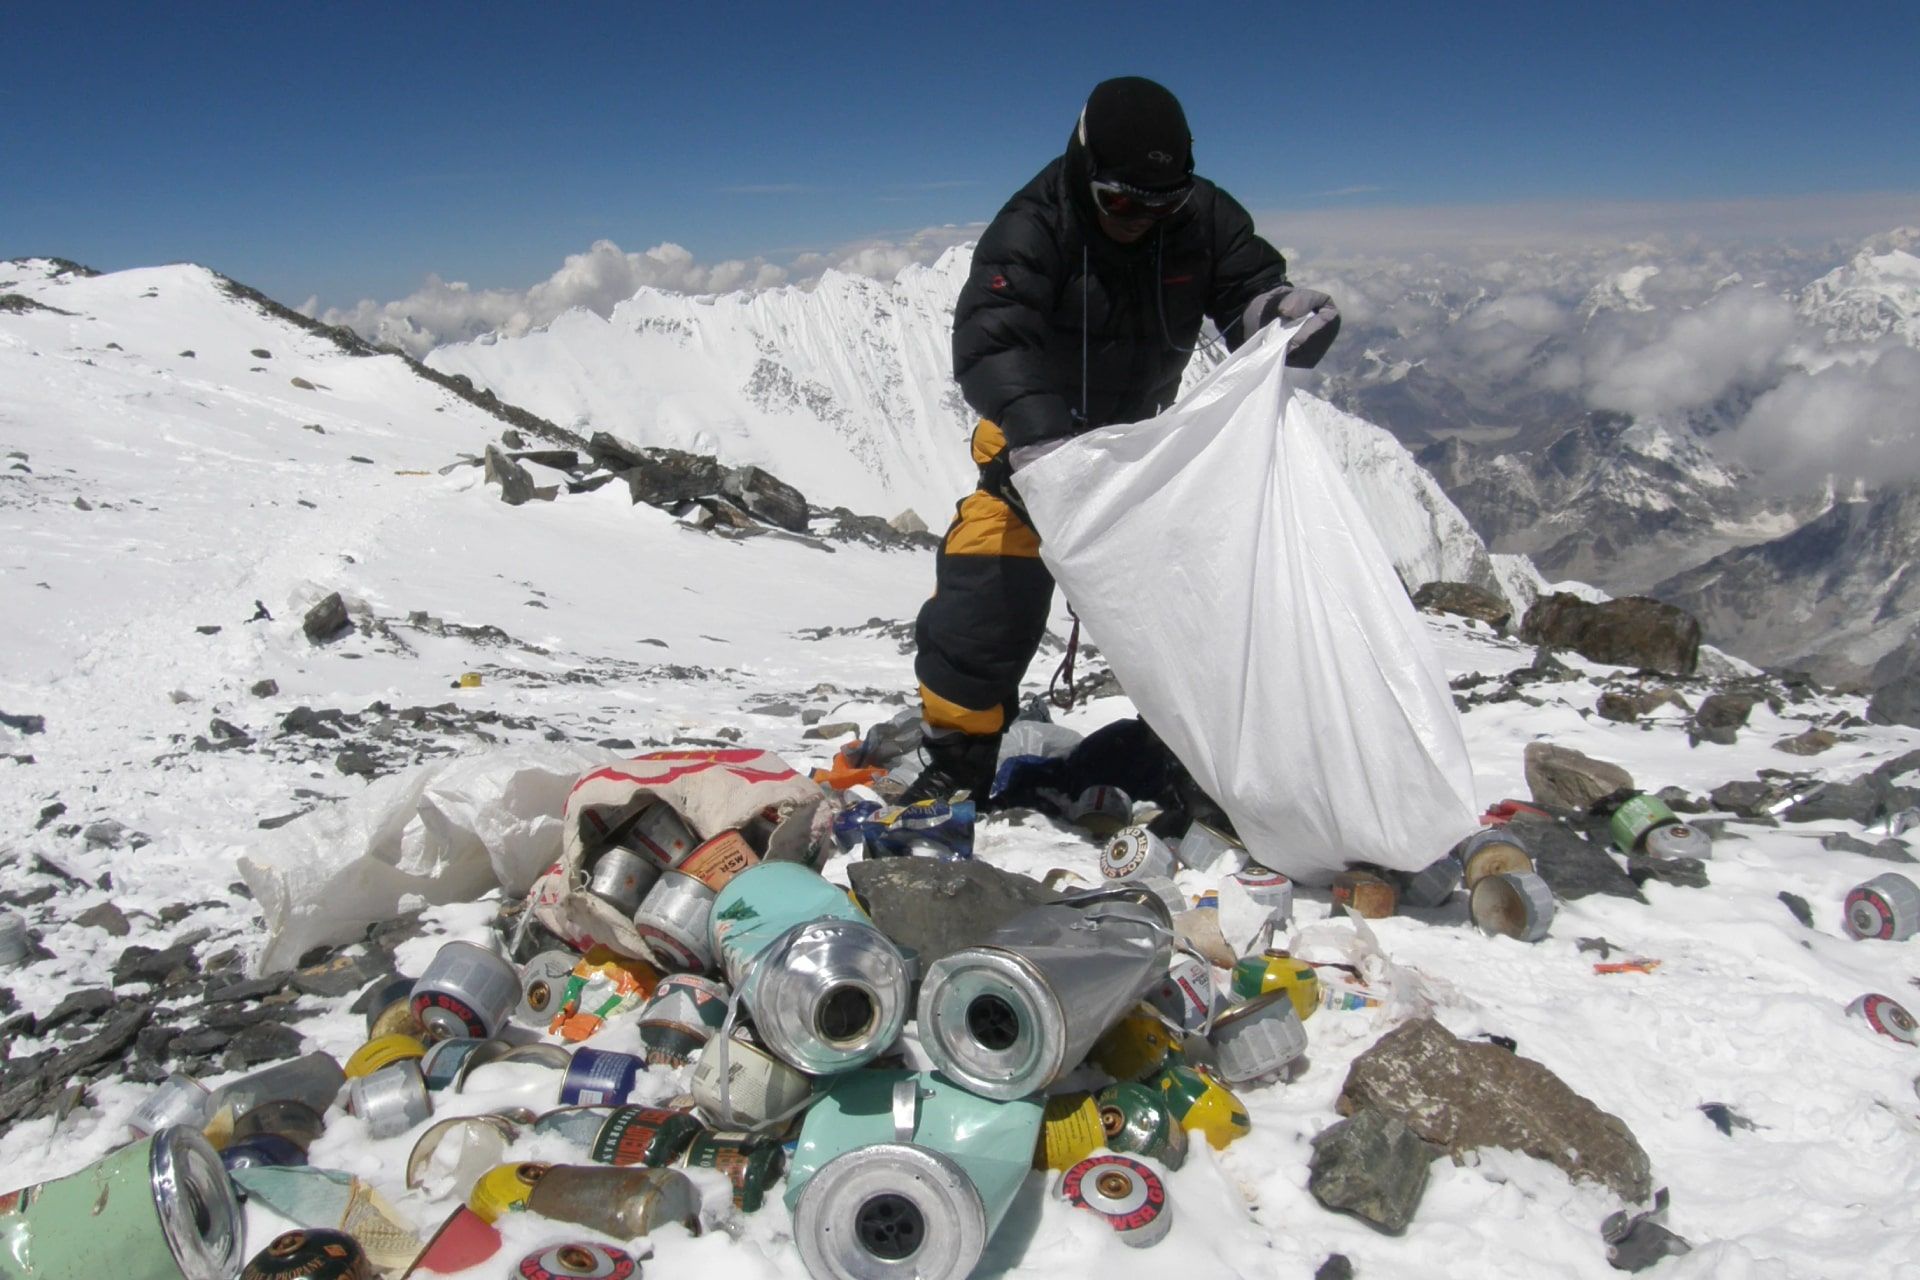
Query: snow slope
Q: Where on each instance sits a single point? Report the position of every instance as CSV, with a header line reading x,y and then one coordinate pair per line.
x,y
592,619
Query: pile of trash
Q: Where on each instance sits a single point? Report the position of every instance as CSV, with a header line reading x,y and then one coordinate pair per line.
x,y
891,1060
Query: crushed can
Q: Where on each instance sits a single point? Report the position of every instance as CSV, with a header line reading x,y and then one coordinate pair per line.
x,y
480,1143
941,828
504,1189
1633,820
1886,907
1274,970
577,1261
1365,894
1134,1047
673,921
312,1253
161,1208
1887,1017
684,1013
1009,1016
1138,1120
825,989
1101,811
1122,1192
620,878
466,991
391,1100
751,1163
899,1172
715,863
623,1203
1516,904
1259,1039
180,1099
1186,996
1203,1105
382,1051
1494,851
1136,851
1071,1129
602,984
597,1077
739,1085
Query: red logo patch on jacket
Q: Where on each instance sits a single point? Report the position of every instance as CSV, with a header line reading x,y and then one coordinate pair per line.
x,y
998,282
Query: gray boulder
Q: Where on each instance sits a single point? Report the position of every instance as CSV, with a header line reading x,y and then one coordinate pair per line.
x,y
767,497
1562,778
1372,1166
515,481
1573,866
1464,600
937,907
1634,631
1462,1097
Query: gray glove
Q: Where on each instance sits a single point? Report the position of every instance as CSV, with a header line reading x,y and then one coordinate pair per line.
x,y
1290,304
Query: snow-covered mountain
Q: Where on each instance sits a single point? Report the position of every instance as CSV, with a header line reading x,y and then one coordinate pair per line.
x,y
1875,295
846,390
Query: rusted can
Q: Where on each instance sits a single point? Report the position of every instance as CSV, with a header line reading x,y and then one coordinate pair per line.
x,y
543,985
580,1261
684,1013
1122,1192
1278,971
1186,996
312,1253
1101,811
1133,1047
1136,851
1203,1105
622,1203
180,1099
1070,1130
751,1164
1259,1039
382,1052
720,859
1493,852
652,1136
391,1100
1517,905
661,835
466,991
673,921
1886,907
1365,893
621,878
596,1077
1136,1119
753,1091
505,1189
287,1118
1887,1017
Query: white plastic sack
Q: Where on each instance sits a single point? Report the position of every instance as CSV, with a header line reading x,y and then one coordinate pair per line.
x,y
448,831
1225,569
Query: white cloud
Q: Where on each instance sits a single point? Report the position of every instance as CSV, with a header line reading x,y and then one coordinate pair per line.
x,y
1693,358
1853,420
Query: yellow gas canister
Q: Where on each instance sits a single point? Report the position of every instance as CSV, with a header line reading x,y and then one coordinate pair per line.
x,y
1203,1105
1278,971
1134,1047
382,1051
504,1189
1070,1131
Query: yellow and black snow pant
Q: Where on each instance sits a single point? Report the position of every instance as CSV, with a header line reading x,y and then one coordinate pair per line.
x,y
989,608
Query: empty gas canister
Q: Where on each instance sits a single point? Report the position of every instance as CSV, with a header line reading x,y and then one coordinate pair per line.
x,y
1278,971
1203,1105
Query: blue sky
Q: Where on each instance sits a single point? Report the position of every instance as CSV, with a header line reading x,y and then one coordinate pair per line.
x,y
347,150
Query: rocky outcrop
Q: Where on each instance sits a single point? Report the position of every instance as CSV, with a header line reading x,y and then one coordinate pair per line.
x,y
1636,631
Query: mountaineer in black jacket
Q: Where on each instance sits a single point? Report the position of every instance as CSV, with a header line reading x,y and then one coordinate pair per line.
x,y
1085,301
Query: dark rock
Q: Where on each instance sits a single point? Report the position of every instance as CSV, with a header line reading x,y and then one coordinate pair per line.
x,y
558,459
1841,842
1748,799
1463,1096
1798,905
775,708
106,916
1892,849
513,439
1336,1267
1464,600
304,385
264,688
313,724
1810,743
261,353
157,968
24,724
199,1042
108,832
48,813
1896,702
153,1041
614,453
34,1088
327,619
1572,865
1635,631
29,897
80,1006
665,477
767,497
515,481
1618,707
1562,778
251,989
340,975
1544,668
1858,801
1719,719
1682,873
357,763
1725,1118
1678,800
262,1042
228,731
1372,1166
937,907
208,630
281,820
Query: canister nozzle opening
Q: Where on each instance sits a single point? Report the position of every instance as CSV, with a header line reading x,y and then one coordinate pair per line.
x,y
890,1227
847,1012
993,1022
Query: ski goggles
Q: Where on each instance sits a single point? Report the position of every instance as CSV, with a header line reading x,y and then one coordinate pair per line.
x,y
1121,200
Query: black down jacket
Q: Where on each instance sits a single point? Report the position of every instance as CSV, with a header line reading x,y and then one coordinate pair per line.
x,y
1045,278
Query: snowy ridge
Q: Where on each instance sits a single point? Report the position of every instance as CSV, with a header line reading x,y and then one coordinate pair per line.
x,y
1874,296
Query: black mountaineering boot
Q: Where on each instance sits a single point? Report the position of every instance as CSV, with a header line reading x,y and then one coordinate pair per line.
x,y
956,762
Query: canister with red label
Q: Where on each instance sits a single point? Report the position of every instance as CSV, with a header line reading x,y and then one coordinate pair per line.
x,y
466,991
751,1164
1122,1192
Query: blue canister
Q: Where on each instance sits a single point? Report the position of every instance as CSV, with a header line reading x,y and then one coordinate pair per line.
x,y
825,989
597,1077
899,1166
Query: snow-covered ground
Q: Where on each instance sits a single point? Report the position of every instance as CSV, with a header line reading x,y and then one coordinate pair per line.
x,y
146,496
